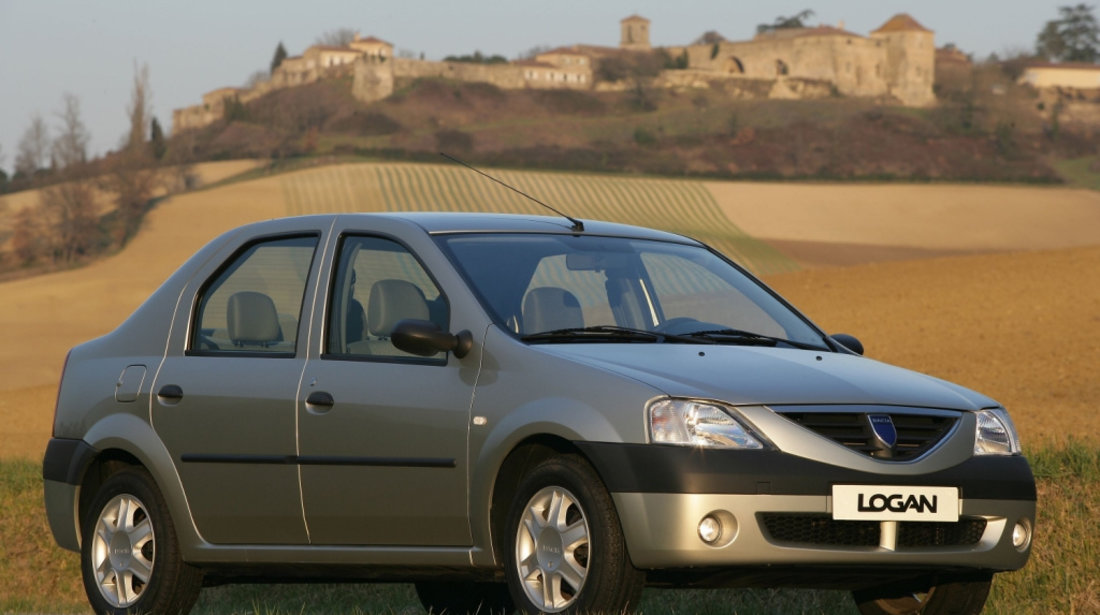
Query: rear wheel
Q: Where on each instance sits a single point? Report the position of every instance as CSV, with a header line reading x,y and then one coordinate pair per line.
x,y
948,596
566,551
130,557
458,598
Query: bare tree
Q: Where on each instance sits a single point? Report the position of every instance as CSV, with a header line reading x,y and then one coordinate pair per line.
x,y
131,176
534,51
180,158
69,207
256,78
70,148
336,38
34,147
25,237
140,108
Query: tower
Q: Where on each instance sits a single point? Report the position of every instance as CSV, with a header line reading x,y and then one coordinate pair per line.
x,y
635,33
910,52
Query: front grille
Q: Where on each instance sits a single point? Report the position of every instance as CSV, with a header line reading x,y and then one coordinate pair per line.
x,y
940,534
823,530
917,432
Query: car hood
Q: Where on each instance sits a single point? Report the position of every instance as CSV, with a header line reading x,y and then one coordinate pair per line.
x,y
747,375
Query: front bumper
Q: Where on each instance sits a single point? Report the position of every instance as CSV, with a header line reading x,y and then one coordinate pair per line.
x,y
776,510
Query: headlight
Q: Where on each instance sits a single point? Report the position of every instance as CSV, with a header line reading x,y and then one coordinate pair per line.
x,y
692,423
995,434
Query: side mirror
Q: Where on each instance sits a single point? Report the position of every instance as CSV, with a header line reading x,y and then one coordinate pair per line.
x,y
424,338
848,341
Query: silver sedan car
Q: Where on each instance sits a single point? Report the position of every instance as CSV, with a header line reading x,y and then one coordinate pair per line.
x,y
516,413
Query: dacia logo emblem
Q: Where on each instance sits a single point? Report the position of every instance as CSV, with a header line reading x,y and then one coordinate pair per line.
x,y
886,435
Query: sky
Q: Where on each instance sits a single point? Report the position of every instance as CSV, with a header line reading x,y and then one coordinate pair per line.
x,y
90,47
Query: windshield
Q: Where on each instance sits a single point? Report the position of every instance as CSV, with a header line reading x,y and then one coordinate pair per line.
x,y
570,288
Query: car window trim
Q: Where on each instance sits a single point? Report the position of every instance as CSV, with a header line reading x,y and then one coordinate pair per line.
x,y
330,293
193,328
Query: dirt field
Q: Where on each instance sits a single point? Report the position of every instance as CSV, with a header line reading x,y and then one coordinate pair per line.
x,y
829,224
1023,328
1020,326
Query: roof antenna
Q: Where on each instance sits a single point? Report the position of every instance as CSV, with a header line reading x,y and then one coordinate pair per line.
x,y
578,226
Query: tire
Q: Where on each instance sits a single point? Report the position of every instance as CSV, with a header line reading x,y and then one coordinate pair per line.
x,y
947,596
457,598
562,527
130,557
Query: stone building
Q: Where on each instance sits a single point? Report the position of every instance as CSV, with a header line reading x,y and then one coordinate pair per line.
x,y
897,61
372,47
1065,75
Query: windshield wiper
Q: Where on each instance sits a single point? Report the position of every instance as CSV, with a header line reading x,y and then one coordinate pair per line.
x,y
610,332
741,336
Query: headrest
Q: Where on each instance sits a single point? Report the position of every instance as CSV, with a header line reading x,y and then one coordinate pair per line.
x,y
252,319
549,309
391,301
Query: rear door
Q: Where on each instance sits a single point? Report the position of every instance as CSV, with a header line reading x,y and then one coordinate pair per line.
x,y
225,401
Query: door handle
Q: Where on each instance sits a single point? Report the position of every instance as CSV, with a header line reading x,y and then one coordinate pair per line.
x,y
320,398
170,392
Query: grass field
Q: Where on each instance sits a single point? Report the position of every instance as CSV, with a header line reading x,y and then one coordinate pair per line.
x,y
36,576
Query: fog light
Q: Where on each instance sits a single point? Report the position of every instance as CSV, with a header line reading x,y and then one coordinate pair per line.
x,y
710,530
1021,534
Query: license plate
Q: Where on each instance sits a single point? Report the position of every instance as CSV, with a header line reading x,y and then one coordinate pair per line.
x,y
895,503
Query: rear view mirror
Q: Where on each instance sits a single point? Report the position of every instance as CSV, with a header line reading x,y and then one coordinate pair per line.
x,y
424,338
848,341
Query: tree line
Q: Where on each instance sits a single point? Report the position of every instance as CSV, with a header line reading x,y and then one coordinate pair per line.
x,y
89,206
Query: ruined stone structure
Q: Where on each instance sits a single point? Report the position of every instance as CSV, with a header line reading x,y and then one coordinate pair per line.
x,y
896,62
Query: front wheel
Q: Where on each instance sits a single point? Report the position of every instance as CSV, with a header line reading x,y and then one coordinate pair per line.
x,y
947,596
566,551
130,557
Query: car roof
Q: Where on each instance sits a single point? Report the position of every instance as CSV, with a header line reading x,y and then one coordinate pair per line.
x,y
441,223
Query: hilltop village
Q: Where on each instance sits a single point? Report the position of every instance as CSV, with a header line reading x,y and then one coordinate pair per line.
x,y
896,62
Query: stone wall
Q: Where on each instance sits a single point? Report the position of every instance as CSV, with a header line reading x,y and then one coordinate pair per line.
x,y
372,79
854,64
505,76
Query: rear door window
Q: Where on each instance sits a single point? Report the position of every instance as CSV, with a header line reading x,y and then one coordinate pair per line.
x,y
254,304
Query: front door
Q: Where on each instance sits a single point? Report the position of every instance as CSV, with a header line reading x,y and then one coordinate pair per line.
x,y
383,434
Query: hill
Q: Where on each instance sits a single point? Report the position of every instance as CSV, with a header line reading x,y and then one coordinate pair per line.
x,y
673,132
